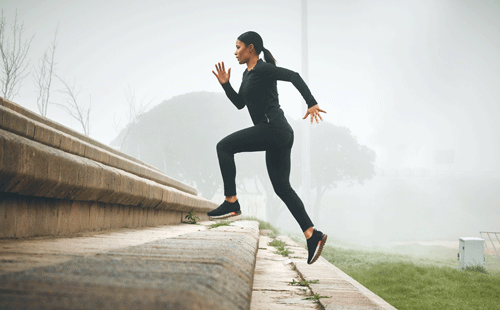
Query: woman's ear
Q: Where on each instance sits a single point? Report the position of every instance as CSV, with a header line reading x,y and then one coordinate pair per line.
x,y
251,48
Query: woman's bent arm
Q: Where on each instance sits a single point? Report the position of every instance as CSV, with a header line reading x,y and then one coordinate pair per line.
x,y
282,74
223,78
235,98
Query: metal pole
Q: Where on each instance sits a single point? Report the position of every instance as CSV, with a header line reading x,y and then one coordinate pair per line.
x,y
491,241
306,145
496,235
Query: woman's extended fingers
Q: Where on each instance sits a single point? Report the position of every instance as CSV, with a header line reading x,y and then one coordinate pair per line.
x,y
220,67
314,113
312,116
221,74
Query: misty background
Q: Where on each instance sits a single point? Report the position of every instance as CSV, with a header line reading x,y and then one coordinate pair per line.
x,y
415,82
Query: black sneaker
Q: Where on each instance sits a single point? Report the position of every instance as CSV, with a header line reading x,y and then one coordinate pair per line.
x,y
315,245
225,210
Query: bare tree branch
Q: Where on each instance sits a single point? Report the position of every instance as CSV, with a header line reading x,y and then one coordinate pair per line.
x,y
43,75
74,108
135,109
13,54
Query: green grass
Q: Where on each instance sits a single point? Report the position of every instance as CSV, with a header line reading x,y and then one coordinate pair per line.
x,y
220,223
418,282
476,268
280,247
413,276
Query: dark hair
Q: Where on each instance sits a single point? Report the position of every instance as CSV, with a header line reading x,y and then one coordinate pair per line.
x,y
252,37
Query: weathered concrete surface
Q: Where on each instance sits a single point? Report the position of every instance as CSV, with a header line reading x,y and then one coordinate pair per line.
x,y
30,168
271,289
24,123
55,181
170,267
65,183
205,269
25,216
273,274
19,255
343,292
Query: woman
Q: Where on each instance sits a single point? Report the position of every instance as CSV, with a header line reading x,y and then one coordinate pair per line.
x,y
271,132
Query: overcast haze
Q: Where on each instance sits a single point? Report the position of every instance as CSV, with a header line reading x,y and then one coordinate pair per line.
x,y
408,78
414,76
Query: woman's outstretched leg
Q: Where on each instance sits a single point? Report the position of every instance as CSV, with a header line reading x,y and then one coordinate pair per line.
x,y
278,166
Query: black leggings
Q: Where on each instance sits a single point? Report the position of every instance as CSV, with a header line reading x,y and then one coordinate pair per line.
x,y
277,142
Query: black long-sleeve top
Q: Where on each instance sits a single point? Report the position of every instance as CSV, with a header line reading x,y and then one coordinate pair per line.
x,y
258,91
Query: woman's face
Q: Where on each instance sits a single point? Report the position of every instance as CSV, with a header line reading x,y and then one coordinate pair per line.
x,y
242,52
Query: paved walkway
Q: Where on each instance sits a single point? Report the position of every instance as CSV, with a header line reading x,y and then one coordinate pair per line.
x,y
272,278
273,274
171,267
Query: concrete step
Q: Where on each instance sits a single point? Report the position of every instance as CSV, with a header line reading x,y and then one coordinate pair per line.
x,y
173,267
271,286
273,274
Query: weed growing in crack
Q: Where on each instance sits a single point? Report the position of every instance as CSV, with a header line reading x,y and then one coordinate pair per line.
x,y
191,218
315,297
303,282
277,243
284,252
281,247
273,235
221,223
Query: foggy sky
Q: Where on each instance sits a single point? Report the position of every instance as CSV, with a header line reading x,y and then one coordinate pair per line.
x,y
407,77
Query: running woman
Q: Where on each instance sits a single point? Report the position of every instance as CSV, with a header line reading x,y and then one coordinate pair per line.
x,y
271,132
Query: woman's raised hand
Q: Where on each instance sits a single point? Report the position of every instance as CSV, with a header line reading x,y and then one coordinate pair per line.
x,y
314,112
221,74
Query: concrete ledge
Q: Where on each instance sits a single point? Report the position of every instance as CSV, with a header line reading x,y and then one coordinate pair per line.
x,y
24,216
24,123
41,119
208,269
55,173
32,169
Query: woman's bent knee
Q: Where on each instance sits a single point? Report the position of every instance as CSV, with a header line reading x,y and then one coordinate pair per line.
x,y
221,146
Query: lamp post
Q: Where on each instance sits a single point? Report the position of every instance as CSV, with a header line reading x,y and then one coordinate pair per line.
x,y
306,143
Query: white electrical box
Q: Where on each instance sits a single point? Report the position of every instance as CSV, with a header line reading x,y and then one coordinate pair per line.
x,y
470,252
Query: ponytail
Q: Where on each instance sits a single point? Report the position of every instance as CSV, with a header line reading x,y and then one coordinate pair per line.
x,y
268,57
252,37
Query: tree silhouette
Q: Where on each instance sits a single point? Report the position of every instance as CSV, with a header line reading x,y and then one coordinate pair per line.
x,y
337,157
180,135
